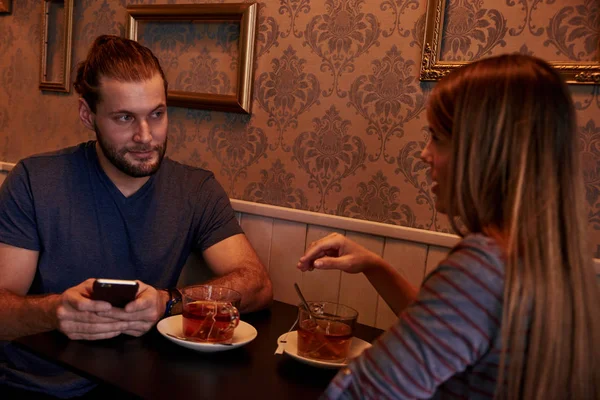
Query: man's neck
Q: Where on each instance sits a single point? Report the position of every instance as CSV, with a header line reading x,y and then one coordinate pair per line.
x,y
126,184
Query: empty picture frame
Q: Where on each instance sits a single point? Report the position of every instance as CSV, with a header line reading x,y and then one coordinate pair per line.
x,y
5,6
245,14
433,69
50,21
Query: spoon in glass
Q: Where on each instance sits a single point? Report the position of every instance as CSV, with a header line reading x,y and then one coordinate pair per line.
x,y
314,318
304,302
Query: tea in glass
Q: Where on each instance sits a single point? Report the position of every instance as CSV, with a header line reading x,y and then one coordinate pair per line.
x,y
210,313
327,334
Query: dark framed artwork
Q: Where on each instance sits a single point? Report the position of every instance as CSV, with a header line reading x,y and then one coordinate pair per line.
x,y
566,30
5,6
175,34
57,42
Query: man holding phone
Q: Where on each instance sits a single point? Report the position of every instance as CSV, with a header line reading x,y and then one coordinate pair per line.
x,y
113,208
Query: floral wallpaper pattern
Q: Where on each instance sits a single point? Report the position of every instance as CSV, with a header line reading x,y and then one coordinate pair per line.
x,y
195,57
337,121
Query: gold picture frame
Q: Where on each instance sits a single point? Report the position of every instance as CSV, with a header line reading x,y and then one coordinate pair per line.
x,y
64,84
246,14
5,6
433,69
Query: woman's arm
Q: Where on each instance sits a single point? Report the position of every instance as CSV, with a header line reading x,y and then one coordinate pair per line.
x,y
335,251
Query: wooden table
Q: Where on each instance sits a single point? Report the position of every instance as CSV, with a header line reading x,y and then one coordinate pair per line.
x,y
151,367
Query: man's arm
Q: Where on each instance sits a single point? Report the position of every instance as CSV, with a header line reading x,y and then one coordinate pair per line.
x,y
237,266
71,312
19,314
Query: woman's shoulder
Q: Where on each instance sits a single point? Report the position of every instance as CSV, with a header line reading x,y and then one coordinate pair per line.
x,y
479,250
475,263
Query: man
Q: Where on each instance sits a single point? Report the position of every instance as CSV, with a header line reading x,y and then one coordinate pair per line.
x,y
110,208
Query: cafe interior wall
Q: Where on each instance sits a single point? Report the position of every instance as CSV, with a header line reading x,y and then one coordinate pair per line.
x,y
337,119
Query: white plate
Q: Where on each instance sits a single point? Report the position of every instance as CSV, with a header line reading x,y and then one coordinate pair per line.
x,y
244,333
291,347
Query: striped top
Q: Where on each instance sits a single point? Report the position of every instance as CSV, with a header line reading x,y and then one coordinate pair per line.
x,y
446,345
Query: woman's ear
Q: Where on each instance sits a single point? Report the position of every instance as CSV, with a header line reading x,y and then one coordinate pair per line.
x,y
85,114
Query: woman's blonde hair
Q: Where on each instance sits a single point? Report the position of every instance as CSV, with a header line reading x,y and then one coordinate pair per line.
x,y
515,170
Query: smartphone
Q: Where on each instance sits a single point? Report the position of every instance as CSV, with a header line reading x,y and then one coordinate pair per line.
x,y
117,292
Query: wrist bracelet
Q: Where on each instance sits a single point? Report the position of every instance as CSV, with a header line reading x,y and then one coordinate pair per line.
x,y
174,299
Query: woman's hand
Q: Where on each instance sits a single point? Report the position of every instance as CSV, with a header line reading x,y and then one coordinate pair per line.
x,y
338,252
335,251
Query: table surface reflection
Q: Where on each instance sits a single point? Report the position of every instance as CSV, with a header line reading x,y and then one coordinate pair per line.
x,y
151,367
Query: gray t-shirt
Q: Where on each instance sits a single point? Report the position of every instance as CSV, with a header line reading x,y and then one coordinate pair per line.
x,y
63,205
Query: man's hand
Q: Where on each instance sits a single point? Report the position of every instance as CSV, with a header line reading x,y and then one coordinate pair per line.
x,y
140,315
79,317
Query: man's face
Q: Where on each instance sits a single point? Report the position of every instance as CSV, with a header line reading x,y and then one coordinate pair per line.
x,y
131,124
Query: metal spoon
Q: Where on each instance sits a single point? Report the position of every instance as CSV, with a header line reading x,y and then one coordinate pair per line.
x,y
196,341
304,302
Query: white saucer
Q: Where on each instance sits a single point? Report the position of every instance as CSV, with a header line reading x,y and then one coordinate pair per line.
x,y
243,334
290,347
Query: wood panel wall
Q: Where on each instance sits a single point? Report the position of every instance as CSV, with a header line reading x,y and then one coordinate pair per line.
x,y
280,243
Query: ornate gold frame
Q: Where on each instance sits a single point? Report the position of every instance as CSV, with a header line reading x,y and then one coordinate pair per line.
x,y
432,69
247,16
64,85
5,6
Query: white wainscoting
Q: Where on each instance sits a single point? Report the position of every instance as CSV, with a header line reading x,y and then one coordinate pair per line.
x,y
281,235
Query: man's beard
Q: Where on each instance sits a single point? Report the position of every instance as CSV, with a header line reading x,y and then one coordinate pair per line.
x,y
117,157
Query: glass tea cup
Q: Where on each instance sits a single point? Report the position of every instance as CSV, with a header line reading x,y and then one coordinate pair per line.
x,y
210,313
327,334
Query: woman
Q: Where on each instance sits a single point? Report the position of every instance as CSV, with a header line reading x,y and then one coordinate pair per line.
x,y
515,300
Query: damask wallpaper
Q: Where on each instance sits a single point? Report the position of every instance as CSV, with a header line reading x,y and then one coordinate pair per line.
x,y
337,119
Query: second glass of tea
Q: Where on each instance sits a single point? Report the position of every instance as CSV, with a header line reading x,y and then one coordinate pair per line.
x,y
327,333
210,313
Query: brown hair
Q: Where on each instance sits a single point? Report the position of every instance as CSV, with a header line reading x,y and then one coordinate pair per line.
x,y
515,169
117,58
